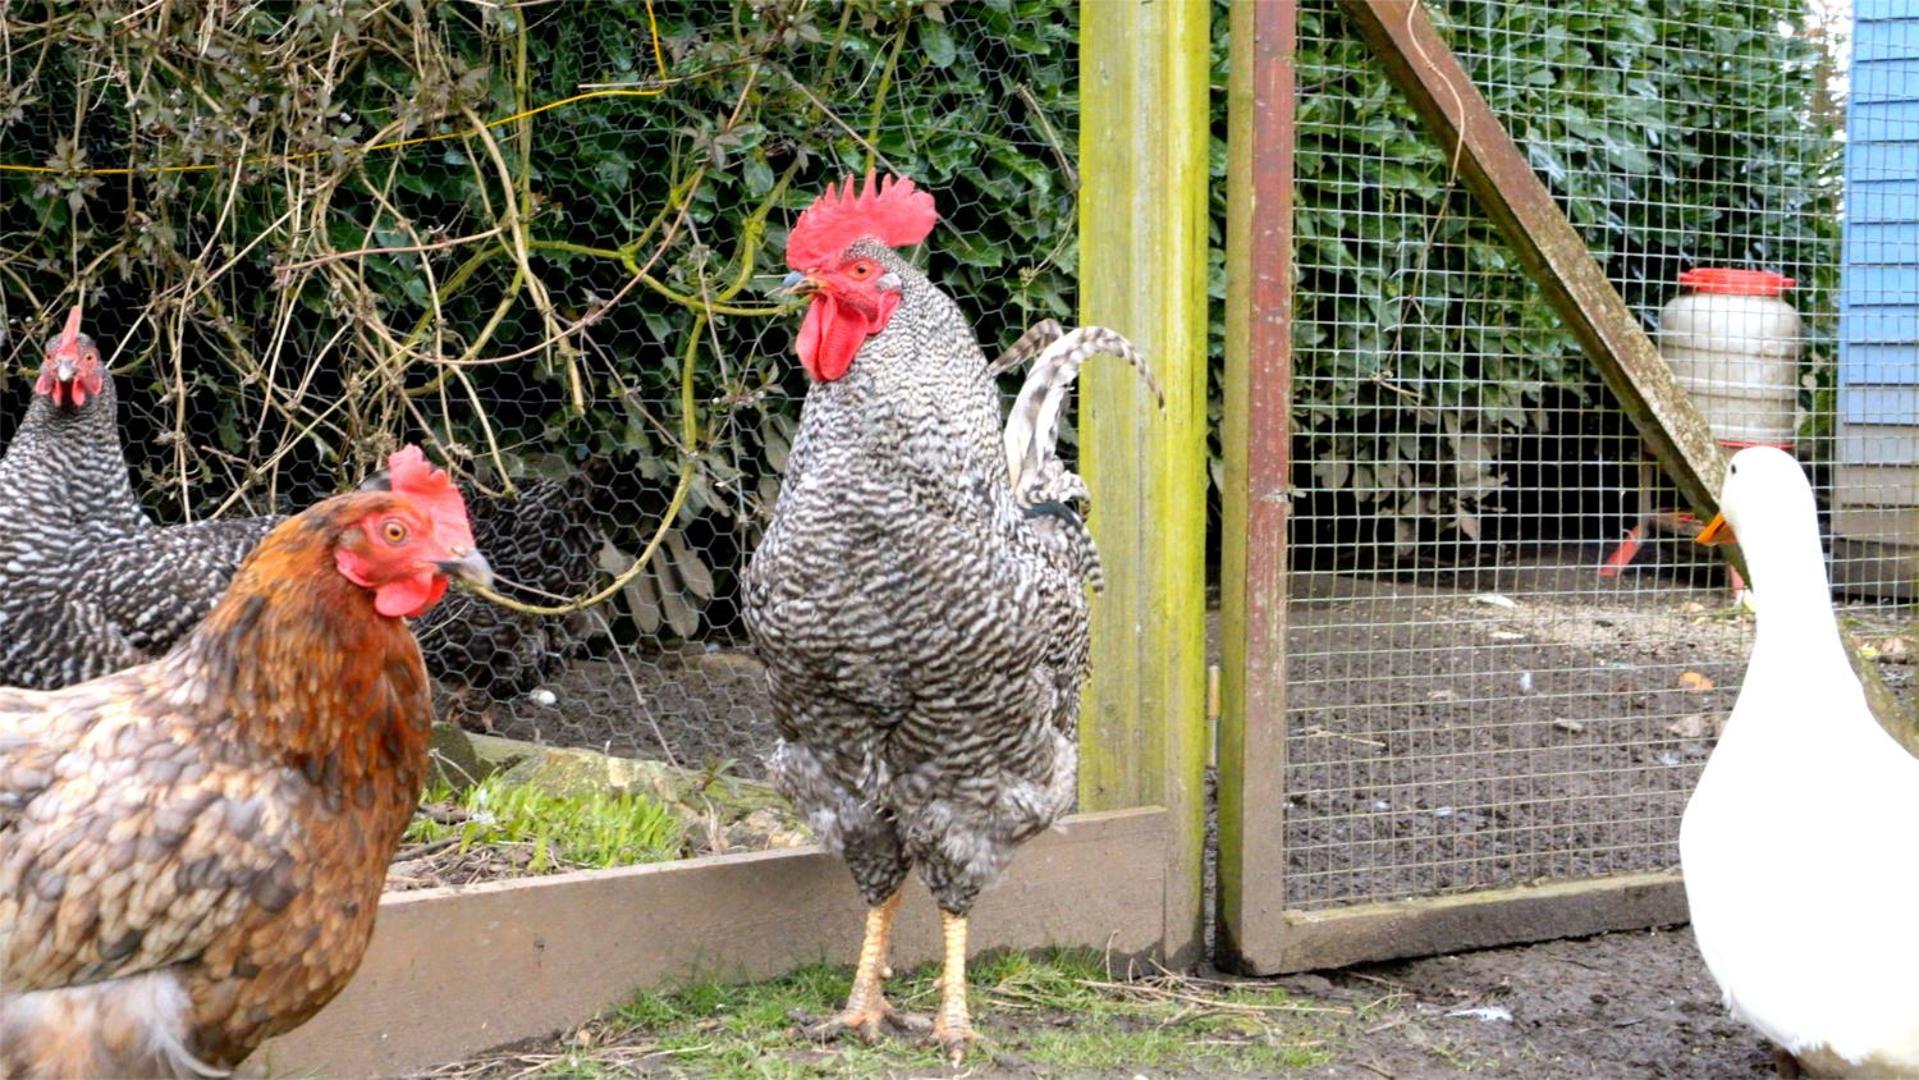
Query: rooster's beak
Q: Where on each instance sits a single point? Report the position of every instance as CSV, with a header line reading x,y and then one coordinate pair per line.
x,y
1716,532
471,568
798,284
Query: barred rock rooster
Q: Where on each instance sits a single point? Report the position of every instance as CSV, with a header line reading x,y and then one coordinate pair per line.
x,y
192,851
920,607
89,585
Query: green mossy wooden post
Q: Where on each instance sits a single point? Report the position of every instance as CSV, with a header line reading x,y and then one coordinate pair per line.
x,y
1144,136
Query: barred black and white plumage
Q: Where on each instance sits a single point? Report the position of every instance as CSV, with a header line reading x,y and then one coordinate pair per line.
x,y
90,585
924,628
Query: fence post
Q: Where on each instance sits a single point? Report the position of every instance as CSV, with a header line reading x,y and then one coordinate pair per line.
x,y
1144,143
1254,497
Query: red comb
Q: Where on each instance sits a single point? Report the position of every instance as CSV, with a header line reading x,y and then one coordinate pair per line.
x,y
70,336
411,476
890,210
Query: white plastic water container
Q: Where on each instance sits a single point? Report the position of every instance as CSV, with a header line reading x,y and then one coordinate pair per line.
x,y
1734,345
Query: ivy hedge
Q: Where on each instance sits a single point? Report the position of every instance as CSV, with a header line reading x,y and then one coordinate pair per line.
x,y
595,278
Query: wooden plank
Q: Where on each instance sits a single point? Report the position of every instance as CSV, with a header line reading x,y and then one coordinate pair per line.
x,y
1882,365
1882,572
1518,204
1257,443
1878,404
1882,325
1882,286
1894,244
1877,524
1144,141
452,972
1427,926
1881,485
1880,200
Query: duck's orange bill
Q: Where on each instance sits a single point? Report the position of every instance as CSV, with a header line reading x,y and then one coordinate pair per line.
x,y
1716,532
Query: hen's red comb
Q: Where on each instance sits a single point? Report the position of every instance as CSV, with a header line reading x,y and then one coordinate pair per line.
x,y
890,210
410,475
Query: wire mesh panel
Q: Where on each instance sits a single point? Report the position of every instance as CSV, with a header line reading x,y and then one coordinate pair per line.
x,y
1506,660
541,239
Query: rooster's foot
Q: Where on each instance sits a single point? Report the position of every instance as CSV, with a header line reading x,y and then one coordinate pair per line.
x,y
954,1037
867,1023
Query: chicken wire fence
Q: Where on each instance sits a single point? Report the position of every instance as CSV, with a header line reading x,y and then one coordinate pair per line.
x,y
541,239
1506,659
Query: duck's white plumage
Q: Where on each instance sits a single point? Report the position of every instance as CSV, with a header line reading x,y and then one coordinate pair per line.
x,y
1803,884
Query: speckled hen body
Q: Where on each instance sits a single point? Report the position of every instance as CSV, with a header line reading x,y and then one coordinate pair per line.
x,y
89,585
192,850
925,642
922,615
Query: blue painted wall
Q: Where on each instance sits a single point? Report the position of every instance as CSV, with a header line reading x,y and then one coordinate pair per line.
x,y
1879,289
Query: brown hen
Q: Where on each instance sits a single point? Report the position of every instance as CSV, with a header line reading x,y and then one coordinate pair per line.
x,y
192,851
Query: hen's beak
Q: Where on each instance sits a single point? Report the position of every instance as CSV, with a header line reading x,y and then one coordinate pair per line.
x,y
66,352
1716,532
798,284
471,568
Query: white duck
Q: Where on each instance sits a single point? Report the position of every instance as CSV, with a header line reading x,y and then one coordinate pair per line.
x,y
1800,869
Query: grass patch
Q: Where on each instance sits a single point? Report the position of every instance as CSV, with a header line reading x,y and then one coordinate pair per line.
x,y
1053,1012
592,832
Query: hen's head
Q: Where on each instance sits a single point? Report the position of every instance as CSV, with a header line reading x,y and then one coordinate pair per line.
x,y
409,533
839,253
73,373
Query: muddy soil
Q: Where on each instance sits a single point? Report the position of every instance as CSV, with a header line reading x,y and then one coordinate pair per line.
x,y
1633,1004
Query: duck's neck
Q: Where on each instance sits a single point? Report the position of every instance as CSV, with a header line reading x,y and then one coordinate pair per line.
x,y
1797,631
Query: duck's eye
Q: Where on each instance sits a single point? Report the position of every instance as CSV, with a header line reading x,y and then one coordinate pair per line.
x,y
394,532
863,269
1733,468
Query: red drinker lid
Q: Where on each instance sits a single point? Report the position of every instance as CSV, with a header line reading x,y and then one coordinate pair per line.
x,y
1729,282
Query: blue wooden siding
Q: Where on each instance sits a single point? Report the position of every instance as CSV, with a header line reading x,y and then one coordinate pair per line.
x,y
1879,289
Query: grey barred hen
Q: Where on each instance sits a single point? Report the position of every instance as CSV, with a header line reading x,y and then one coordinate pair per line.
x,y
89,585
921,609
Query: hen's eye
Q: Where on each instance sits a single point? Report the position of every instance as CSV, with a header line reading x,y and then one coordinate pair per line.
x,y
863,269
394,532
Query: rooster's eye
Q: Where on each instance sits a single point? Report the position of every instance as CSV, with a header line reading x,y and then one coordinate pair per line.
x,y
863,269
395,532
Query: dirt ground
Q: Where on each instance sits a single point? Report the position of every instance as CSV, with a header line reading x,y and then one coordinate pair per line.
x,y
1632,1004
1450,732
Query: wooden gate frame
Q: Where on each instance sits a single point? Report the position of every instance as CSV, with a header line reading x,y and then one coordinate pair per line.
x,y
1257,933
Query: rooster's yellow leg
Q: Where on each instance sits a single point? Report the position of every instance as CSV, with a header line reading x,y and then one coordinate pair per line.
x,y
866,1007
953,1027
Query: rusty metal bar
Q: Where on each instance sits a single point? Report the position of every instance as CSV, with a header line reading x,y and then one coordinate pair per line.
x,y
1257,437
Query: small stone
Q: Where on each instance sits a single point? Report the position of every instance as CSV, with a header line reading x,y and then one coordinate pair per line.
x,y
1693,726
1572,726
1694,682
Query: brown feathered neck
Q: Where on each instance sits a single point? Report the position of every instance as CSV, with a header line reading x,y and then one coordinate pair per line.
x,y
299,664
